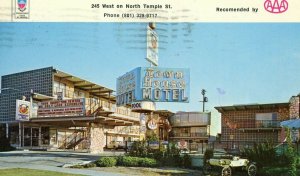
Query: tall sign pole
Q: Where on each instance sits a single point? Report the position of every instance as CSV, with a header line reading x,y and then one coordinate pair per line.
x,y
152,45
204,99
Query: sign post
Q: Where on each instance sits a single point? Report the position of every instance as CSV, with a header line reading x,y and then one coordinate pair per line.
x,y
152,45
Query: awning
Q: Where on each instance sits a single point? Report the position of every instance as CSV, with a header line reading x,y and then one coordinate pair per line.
x,y
292,123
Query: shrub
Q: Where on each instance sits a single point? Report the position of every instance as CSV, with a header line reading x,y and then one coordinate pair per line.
x,y
128,161
264,154
166,157
4,144
106,162
209,153
275,171
291,156
136,162
186,161
139,148
147,162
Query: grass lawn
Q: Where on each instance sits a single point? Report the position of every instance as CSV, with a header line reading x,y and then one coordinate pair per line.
x,y
31,172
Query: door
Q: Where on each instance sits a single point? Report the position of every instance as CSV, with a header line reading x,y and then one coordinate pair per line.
x,y
35,137
27,136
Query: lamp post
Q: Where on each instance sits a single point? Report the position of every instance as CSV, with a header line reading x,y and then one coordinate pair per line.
x,y
204,99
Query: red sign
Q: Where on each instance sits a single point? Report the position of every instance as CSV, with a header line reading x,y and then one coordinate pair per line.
x,y
72,107
276,6
182,144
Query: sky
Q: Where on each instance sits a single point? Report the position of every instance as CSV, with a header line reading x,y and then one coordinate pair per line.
x,y
237,63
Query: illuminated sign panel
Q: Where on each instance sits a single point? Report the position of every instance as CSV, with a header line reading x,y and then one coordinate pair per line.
x,y
152,46
22,110
154,84
71,107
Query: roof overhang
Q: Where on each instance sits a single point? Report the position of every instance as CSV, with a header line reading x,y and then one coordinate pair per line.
x,y
252,107
164,113
92,88
38,96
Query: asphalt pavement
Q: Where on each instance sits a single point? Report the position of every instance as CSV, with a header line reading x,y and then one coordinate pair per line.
x,y
53,161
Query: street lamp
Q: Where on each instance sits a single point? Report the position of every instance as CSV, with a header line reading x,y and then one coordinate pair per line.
x,y
204,99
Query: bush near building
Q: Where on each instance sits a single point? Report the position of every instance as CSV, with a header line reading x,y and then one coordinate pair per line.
x,y
127,161
169,156
4,144
106,162
136,162
273,163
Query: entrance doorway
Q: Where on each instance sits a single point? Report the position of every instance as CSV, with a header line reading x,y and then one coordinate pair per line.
x,y
35,136
31,136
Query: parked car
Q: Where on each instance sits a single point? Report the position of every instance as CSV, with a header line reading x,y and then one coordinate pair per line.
x,y
227,165
116,145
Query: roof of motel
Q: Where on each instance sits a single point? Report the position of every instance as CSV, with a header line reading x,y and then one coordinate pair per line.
x,y
251,106
93,88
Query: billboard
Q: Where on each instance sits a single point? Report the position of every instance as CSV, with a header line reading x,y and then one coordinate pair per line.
x,y
71,107
154,84
152,46
22,110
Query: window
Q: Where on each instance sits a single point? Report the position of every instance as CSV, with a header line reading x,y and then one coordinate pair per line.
x,y
79,94
266,116
59,87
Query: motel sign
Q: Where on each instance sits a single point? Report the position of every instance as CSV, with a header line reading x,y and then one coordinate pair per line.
x,y
154,84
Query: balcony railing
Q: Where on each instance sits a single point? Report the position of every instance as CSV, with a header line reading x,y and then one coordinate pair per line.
x,y
189,135
267,123
189,123
125,130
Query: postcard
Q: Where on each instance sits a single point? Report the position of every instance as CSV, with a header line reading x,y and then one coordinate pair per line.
x,y
136,86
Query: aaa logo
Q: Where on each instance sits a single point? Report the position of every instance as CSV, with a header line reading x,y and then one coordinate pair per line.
x,y
276,6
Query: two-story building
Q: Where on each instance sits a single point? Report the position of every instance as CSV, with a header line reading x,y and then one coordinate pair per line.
x,y
191,127
65,112
244,125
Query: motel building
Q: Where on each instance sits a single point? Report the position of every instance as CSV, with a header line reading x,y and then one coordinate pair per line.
x,y
67,112
191,130
244,125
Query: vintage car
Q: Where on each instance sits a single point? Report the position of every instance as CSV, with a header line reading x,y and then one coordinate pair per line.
x,y
226,166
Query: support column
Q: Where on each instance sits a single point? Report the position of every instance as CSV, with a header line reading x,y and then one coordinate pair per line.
x,y
97,138
40,136
31,137
7,130
20,135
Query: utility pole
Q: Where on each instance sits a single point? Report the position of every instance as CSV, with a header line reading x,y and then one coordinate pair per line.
x,y
204,99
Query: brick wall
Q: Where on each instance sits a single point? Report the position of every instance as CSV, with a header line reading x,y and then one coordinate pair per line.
x,y
239,125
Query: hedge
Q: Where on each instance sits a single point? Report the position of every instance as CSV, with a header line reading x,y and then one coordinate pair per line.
x,y
126,161
106,162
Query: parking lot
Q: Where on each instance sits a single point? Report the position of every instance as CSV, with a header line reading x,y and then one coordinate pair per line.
x,y
52,161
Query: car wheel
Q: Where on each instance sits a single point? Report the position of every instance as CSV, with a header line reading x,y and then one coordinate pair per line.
x,y
252,169
226,171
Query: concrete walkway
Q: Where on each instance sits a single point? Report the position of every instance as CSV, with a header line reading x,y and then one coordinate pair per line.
x,y
52,161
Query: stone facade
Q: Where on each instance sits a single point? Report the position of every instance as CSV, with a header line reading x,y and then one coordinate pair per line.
x,y
97,138
294,107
